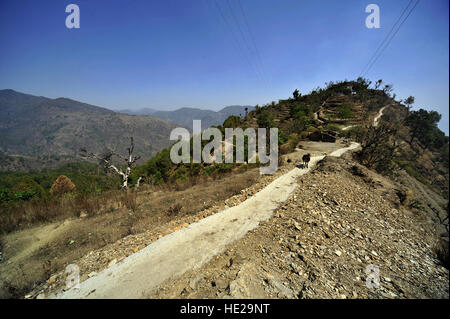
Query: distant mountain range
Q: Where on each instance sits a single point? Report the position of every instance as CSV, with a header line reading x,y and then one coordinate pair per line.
x,y
36,127
185,116
143,111
37,131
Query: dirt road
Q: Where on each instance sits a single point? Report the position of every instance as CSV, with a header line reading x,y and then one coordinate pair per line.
x,y
191,247
379,115
375,120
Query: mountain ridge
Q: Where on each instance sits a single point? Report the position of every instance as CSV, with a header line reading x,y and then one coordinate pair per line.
x,y
185,115
42,127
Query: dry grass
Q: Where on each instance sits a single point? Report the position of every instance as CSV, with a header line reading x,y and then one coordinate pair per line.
x,y
405,196
442,251
129,200
23,214
109,219
83,203
61,186
174,210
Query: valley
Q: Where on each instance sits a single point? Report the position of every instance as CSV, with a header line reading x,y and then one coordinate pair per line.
x,y
53,130
209,230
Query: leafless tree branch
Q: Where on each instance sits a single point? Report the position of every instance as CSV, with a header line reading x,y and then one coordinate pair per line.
x,y
106,160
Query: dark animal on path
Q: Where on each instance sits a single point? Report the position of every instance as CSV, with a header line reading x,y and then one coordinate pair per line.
x,y
306,158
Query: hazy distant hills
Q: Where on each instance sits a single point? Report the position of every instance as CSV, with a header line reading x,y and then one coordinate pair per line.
x,y
39,127
186,115
143,111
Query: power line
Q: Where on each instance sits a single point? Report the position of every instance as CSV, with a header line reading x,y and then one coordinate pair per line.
x,y
385,38
392,37
252,37
387,44
244,38
238,44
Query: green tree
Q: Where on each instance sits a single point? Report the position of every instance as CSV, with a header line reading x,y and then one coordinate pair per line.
x,y
388,88
409,101
423,125
232,121
378,84
265,118
345,112
26,189
296,94
364,83
378,146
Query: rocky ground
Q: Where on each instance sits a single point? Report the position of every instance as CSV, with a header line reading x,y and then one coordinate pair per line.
x,y
341,219
99,259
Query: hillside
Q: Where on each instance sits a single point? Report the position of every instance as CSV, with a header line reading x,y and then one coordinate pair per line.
x,y
346,109
49,130
343,110
334,107
143,111
383,203
338,219
319,243
185,116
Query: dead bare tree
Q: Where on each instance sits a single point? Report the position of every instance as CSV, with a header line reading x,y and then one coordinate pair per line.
x,y
106,160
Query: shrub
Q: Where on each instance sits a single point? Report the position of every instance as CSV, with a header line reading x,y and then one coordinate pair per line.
x,y
174,210
4,195
89,205
333,127
129,200
290,145
159,167
282,138
301,115
378,147
27,189
442,251
345,112
16,215
61,186
311,129
232,122
265,119
356,133
423,126
304,135
24,195
298,110
404,196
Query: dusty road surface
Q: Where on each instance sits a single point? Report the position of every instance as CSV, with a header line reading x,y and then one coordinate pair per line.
x,y
189,248
347,127
375,120
379,115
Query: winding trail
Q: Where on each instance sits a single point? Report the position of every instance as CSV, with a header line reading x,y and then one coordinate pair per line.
x,y
375,120
189,248
379,115
347,127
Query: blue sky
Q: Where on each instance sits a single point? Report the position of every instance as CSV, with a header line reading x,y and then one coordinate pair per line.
x,y
170,54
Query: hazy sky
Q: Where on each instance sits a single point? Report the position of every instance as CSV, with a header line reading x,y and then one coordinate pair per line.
x,y
172,53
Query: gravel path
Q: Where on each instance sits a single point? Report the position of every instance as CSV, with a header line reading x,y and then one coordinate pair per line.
x,y
379,115
191,247
375,120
